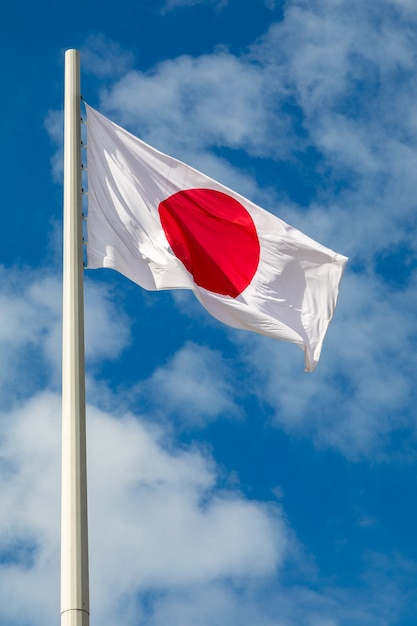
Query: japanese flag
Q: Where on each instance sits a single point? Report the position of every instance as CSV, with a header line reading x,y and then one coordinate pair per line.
x,y
164,225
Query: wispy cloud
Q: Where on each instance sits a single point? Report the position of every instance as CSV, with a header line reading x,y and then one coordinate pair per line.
x,y
169,5
194,388
30,331
105,58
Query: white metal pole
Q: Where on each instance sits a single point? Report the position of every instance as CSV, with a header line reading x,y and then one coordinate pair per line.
x,y
74,533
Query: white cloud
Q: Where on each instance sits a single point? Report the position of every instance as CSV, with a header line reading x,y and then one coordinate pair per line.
x,y
340,66
282,605
215,99
176,528
29,322
407,6
157,518
105,58
360,394
54,124
196,386
107,327
29,527
172,4
165,538
30,330
210,605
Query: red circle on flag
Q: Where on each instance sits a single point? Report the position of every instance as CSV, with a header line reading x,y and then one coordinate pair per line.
x,y
214,236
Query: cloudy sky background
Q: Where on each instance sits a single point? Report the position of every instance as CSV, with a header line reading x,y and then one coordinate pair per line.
x,y
226,486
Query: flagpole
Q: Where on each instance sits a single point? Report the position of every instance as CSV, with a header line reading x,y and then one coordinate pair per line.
x,y
74,533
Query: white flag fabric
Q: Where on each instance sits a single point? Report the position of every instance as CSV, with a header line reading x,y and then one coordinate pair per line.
x,y
164,225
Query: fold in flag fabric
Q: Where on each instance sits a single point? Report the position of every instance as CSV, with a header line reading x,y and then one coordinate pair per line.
x,y
164,225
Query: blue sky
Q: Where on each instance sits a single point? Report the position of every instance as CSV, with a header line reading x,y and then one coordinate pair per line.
x,y
226,486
